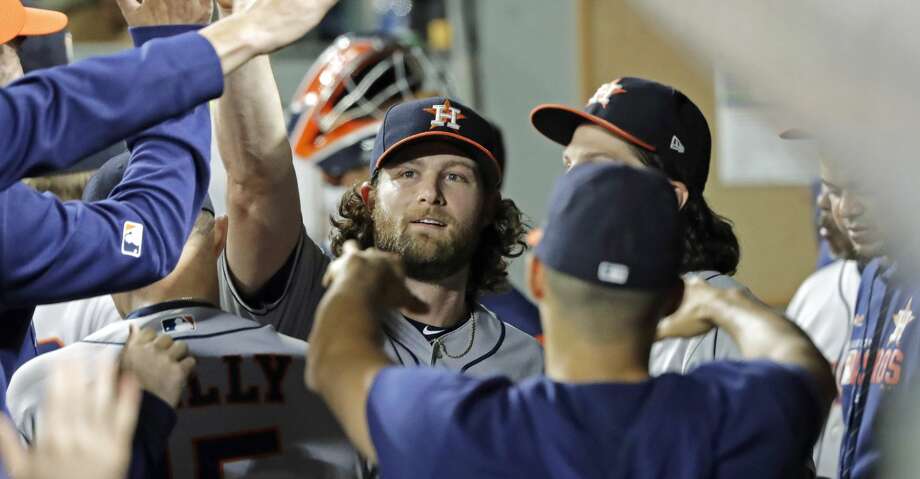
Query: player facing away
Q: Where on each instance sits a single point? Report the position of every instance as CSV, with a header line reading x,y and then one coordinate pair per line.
x,y
645,124
244,411
603,281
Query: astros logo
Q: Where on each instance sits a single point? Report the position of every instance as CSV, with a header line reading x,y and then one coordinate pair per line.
x,y
445,115
901,320
607,90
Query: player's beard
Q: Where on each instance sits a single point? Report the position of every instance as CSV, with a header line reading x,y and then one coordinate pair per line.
x,y
426,258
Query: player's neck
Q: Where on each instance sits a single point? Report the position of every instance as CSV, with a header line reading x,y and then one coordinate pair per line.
x,y
446,300
573,357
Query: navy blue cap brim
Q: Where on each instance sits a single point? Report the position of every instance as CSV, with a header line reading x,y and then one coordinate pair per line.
x,y
480,153
559,122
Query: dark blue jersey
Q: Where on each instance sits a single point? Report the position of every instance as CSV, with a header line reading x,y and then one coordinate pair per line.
x,y
723,420
52,251
882,356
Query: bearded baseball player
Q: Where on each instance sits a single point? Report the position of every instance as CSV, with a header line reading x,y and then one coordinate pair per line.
x,y
603,282
432,198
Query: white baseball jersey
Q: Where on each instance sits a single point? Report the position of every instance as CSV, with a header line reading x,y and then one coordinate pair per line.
x,y
823,307
481,346
60,324
681,355
245,411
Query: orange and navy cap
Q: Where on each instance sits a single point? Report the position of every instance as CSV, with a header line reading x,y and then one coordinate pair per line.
x,y
655,117
597,231
438,119
17,20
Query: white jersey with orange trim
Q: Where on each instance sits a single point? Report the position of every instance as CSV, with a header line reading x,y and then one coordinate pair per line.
x,y
60,324
245,411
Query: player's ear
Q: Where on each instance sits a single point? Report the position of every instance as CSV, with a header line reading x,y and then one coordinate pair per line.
x,y
680,189
221,224
535,277
365,191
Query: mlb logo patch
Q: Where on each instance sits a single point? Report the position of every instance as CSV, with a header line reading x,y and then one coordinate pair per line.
x,y
179,324
132,238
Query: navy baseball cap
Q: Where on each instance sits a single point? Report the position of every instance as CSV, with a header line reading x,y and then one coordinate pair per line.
x,y
355,155
613,225
440,119
110,174
655,117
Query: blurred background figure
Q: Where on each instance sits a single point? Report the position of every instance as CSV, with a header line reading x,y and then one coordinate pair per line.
x,y
823,307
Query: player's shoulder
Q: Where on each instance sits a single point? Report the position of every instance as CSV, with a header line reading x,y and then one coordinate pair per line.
x,y
511,343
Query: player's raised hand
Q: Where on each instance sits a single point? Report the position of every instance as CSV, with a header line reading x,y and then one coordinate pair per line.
x,y
374,275
83,432
693,317
142,13
266,26
160,364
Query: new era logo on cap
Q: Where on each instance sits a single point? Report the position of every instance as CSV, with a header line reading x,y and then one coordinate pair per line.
x,y
676,145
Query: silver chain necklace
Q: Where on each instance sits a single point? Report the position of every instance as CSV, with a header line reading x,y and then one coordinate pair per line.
x,y
439,345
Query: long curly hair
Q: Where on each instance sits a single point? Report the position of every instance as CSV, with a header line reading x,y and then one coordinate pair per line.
x,y
709,241
501,240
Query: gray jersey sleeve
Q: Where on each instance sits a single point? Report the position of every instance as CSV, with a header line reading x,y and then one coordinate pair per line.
x,y
684,354
292,312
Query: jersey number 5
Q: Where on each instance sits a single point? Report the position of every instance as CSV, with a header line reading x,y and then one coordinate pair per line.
x,y
211,453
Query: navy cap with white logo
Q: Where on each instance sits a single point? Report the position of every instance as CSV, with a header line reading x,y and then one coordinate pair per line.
x,y
110,174
655,117
615,226
439,119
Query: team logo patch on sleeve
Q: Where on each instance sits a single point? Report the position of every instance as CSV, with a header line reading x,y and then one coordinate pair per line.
x,y
132,239
179,324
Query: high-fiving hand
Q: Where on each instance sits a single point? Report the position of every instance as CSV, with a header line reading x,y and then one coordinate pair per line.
x,y
166,12
83,432
372,274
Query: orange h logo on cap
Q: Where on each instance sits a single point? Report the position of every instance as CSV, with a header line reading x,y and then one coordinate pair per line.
x,y
445,115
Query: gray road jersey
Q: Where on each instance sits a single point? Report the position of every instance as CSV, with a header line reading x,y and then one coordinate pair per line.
x,y
483,346
498,348
245,411
682,355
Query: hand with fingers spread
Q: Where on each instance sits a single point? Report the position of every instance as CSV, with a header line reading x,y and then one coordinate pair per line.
x,y
371,275
166,12
160,364
84,433
264,27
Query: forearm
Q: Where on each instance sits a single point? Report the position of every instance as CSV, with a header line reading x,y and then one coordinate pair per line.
x,y
262,197
761,333
56,117
344,357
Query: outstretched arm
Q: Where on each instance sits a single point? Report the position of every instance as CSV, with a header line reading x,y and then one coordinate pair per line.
x,y
55,117
262,200
345,354
759,332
